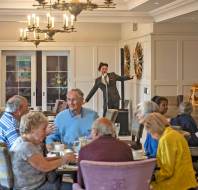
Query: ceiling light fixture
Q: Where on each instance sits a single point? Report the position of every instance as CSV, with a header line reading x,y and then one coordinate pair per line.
x,y
33,32
74,7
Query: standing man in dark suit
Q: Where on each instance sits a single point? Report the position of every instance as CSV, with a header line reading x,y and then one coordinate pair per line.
x,y
107,83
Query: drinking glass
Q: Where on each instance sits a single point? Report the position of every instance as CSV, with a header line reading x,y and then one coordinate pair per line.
x,y
117,129
76,146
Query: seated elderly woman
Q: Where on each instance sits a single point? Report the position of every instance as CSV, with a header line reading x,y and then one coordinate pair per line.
x,y
30,167
143,109
174,165
187,123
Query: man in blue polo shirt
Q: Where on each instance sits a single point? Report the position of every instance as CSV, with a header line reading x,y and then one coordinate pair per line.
x,y
74,122
15,108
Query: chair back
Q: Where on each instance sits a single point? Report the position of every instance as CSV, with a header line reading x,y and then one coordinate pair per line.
x,y
112,114
133,175
59,106
6,174
136,133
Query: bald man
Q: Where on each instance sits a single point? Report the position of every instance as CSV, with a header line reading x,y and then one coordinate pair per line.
x,y
104,147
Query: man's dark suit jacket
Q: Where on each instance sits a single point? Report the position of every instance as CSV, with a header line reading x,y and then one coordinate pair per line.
x,y
105,148
113,94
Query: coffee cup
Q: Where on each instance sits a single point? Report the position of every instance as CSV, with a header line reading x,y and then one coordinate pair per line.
x,y
138,154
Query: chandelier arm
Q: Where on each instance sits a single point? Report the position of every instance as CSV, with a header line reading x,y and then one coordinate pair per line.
x,y
74,8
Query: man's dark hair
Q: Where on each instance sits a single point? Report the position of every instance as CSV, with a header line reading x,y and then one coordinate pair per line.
x,y
101,65
159,99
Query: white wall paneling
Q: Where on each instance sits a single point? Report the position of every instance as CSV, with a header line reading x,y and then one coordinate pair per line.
x,y
170,60
190,60
83,61
174,64
166,90
186,90
165,60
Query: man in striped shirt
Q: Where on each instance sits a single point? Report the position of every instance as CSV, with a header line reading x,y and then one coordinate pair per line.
x,y
15,108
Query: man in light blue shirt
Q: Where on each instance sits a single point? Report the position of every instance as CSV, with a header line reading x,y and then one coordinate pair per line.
x,y
74,122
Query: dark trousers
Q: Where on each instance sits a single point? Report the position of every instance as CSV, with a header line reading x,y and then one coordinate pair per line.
x,y
111,105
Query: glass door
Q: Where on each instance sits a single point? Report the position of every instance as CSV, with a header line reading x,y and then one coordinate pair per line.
x,y
18,76
55,79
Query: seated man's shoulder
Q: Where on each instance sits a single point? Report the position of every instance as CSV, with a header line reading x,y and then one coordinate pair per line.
x,y
89,111
62,113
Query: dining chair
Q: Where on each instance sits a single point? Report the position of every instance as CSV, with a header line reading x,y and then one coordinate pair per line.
x,y
132,175
112,114
136,135
6,174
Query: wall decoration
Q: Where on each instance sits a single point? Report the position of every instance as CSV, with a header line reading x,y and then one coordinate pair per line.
x,y
138,60
127,61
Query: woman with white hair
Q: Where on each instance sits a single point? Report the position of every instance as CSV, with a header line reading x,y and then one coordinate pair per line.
x,y
187,123
143,109
174,165
30,167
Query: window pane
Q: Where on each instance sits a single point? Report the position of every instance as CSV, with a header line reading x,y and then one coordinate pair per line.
x,y
11,63
24,63
52,96
11,79
53,79
24,79
26,92
18,75
63,63
52,63
11,92
63,79
63,93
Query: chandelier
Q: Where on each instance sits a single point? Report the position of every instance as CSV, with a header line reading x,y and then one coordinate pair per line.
x,y
33,33
74,7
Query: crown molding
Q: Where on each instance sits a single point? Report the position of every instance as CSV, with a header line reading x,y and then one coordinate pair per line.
x,y
174,9
134,3
18,15
28,4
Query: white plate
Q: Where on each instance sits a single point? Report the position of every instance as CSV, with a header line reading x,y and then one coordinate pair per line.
x,y
140,158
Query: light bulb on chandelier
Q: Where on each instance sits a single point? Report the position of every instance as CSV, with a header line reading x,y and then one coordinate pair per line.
x,y
33,32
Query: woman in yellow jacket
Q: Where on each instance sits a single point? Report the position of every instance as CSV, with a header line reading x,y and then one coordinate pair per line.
x,y
174,164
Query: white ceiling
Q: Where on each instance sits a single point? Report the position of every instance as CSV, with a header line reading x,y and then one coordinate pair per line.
x,y
142,11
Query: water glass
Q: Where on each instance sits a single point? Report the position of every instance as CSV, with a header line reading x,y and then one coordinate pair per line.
x,y
76,146
117,129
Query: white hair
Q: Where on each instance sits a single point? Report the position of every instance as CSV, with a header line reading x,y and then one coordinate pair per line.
x,y
185,108
146,107
14,103
31,120
104,126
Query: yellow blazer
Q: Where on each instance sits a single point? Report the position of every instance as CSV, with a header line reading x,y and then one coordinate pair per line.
x,y
175,163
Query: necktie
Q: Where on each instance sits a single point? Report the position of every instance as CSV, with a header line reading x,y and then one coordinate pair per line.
x,y
105,79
